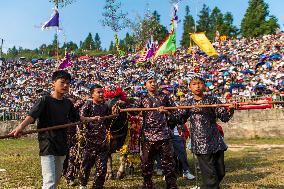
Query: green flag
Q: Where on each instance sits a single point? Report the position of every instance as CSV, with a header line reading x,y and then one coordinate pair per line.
x,y
168,46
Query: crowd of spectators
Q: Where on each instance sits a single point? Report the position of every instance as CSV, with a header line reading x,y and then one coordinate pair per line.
x,y
245,68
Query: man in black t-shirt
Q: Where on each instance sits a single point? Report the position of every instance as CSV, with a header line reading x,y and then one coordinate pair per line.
x,y
50,111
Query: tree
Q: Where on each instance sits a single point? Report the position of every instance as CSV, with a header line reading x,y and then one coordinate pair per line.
x,y
55,41
188,27
129,42
97,42
203,24
62,3
13,52
70,46
255,21
111,47
151,27
270,25
216,22
20,50
156,16
113,17
228,28
146,27
89,43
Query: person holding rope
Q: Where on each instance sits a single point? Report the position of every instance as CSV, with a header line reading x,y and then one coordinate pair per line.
x,y
51,110
71,164
207,142
156,135
97,142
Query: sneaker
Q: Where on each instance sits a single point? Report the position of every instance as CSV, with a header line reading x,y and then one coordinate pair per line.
x,y
71,183
188,176
195,187
159,172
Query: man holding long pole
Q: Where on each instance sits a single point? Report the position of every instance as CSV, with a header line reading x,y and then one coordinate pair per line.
x,y
156,135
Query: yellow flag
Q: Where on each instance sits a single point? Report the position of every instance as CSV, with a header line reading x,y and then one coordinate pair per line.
x,y
203,43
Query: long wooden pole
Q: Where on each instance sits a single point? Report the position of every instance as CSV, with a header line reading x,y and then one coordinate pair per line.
x,y
57,127
145,109
200,106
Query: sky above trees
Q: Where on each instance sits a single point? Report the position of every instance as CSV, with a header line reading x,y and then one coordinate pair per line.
x,y
22,19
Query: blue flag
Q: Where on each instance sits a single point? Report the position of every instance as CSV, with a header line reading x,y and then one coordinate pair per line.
x,y
53,21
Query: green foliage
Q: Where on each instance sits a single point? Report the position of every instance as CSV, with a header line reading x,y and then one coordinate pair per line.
x,y
111,47
188,27
156,16
55,41
270,25
216,22
210,22
203,23
70,46
13,52
97,42
255,21
127,44
145,27
89,43
152,27
62,3
228,28
97,53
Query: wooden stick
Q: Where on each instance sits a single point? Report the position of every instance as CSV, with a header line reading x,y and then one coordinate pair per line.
x,y
146,109
56,127
201,106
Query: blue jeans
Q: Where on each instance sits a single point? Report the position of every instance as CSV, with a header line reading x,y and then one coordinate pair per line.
x,y
180,152
51,168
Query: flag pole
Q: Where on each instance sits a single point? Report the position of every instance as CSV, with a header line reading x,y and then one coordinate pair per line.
x,y
57,41
1,47
57,44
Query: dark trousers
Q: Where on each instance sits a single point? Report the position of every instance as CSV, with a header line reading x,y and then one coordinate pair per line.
x,y
180,152
71,168
165,149
212,169
91,158
157,158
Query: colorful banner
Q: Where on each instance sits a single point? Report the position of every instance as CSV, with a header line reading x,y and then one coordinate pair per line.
x,y
168,46
147,52
203,43
66,62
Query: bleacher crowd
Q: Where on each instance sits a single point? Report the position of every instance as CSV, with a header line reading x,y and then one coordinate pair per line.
x,y
245,68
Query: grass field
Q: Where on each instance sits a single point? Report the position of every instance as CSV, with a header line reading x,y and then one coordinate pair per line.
x,y
250,163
